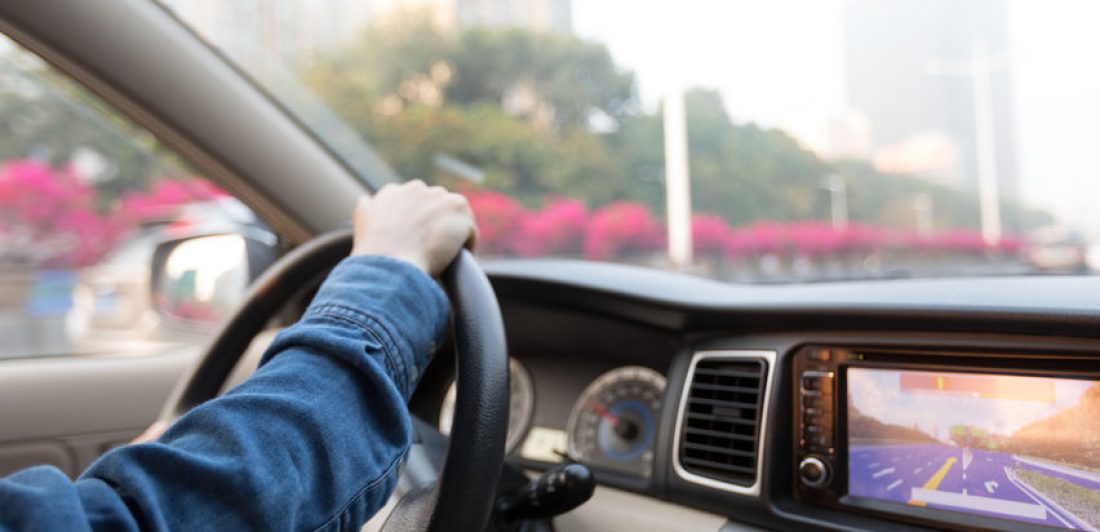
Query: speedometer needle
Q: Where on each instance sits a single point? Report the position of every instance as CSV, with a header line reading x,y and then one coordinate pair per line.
x,y
608,416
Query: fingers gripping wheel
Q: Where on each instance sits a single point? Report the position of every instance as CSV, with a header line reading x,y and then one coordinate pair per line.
x,y
475,454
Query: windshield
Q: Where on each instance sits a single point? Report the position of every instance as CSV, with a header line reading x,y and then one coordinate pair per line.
x,y
745,141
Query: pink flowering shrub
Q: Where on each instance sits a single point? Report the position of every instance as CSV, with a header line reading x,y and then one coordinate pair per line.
x,y
48,217
959,240
1011,244
499,218
621,228
563,226
557,229
710,235
164,198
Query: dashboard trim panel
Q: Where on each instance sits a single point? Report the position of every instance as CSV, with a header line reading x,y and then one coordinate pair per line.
x,y
769,357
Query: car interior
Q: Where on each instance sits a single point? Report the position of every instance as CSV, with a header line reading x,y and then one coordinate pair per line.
x,y
582,395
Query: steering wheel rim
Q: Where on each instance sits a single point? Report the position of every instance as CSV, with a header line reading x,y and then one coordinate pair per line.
x,y
475,454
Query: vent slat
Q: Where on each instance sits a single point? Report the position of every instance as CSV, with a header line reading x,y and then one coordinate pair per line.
x,y
717,449
724,388
719,434
719,439
722,419
723,467
719,402
726,373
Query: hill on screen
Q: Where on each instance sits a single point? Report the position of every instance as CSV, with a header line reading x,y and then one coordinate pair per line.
x,y
862,427
1072,435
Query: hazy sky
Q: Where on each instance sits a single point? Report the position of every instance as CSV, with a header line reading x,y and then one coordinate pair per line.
x,y
877,393
780,63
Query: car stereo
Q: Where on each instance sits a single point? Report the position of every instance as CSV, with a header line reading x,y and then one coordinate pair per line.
x,y
938,438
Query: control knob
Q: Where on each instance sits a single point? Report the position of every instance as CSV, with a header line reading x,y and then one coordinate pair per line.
x,y
813,472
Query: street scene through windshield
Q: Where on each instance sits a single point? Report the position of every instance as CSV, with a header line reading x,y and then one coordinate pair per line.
x,y
753,142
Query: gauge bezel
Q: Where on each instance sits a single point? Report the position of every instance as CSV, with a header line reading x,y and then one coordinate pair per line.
x,y
595,388
518,375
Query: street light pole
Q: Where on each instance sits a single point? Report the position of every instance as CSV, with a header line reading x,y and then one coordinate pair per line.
x,y
838,200
980,70
677,181
922,207
985,144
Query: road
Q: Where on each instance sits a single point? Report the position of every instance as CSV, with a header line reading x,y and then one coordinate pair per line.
x,y
952,478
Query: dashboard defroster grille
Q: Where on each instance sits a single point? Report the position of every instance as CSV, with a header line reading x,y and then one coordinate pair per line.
x,y
721,420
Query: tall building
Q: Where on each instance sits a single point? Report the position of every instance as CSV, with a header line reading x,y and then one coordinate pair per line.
x,y
552,16
908,73
282,30
287,30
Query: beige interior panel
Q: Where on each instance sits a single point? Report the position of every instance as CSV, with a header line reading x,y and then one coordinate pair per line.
x,y
22,455
612,510
66,411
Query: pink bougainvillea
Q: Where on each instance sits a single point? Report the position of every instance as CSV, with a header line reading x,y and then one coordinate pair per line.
x,y
557,229
959,240
622,228
48,216
710,235
499,220
625,230
163,199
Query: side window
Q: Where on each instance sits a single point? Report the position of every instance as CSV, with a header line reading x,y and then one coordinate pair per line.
x,y
88,202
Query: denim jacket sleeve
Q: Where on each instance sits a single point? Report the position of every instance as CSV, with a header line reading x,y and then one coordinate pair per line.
x,y
312,441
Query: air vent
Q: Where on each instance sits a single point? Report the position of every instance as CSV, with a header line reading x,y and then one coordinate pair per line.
x,y
721,418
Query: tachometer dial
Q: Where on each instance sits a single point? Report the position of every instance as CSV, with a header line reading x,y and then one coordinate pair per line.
x,y
519,411
614,423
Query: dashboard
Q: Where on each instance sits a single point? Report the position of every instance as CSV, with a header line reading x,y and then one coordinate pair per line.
x,y
930,404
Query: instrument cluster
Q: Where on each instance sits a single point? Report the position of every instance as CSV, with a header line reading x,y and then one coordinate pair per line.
x,y
611,424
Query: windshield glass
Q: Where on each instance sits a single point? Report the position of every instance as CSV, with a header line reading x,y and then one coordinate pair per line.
x,y
745,141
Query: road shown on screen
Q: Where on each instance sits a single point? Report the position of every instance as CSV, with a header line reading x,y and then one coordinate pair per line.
x,y
1020,448
960,479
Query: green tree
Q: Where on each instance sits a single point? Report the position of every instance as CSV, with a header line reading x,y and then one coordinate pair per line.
x,y
46,116
417,94
741,172
575,78
518,106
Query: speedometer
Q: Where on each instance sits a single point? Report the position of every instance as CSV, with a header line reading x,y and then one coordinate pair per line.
x,y
522,405
614,423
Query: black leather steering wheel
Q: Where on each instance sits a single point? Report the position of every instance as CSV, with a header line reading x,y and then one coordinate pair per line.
x,y
463,498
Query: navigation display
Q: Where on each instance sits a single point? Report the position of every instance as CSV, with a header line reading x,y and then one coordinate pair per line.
x,y
1020,448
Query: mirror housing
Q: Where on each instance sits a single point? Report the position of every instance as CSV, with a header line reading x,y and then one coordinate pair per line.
x,y
198,282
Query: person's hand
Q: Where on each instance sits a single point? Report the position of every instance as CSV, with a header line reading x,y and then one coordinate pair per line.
x,y
152,433
426,226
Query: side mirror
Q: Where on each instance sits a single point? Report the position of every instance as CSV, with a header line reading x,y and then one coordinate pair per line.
x,y
198,282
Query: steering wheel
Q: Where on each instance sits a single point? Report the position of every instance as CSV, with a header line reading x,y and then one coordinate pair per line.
x,y
464,495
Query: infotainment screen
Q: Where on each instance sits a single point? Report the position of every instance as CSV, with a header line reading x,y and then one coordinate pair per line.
x,y
1020,448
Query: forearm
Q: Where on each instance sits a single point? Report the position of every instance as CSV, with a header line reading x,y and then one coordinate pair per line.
x,y
271,454
312,439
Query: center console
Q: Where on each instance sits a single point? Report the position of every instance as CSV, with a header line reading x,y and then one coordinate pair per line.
x,y
949,439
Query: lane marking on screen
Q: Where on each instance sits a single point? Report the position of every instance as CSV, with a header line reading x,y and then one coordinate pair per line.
x,y
933,482
977,502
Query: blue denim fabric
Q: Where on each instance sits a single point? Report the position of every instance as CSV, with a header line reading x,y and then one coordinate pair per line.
x,y
312,441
